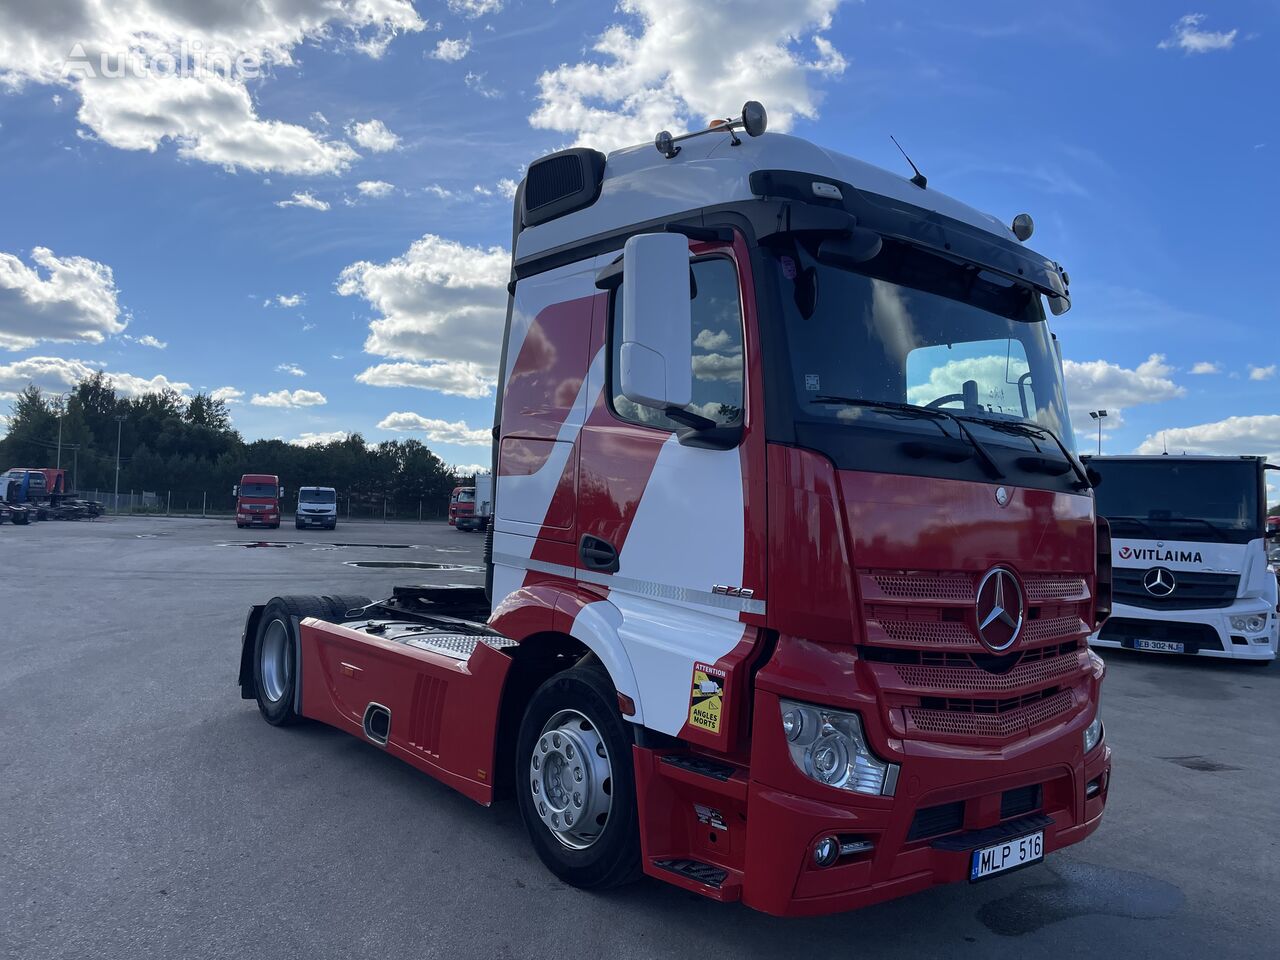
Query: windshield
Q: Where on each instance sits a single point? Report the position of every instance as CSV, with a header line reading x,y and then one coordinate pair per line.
x,y
466,496
266,490
917,331
317,496
1170,499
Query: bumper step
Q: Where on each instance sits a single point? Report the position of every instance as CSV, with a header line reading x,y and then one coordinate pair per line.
x,y
1009,830
704,873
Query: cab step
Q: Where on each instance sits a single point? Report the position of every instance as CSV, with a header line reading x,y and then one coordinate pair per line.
x,y
707,879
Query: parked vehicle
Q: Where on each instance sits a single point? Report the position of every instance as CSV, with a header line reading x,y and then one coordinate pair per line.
x,y
12,505
462,504
792,562
258,498
1189,555
317,507
481,505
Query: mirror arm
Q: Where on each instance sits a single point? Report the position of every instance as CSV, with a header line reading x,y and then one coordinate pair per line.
x,y
701,234
694,421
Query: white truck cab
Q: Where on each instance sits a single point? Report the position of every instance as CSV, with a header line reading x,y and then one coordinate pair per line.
x,y
1189,555
317,507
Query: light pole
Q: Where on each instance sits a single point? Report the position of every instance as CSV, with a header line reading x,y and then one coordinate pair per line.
x,y
119,427
62,413
1098,415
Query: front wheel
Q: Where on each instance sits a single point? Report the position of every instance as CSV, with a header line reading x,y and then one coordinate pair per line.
x,y
575,781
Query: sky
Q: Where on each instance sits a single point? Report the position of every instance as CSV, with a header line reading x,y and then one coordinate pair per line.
x,y
304,206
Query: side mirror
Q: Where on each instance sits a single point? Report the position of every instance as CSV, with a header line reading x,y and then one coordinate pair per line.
x,y
235,490
656,357
282,493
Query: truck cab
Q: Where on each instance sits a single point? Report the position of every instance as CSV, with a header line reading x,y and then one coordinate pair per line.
x,y
317,507
12,502
258,498
462,504
1189,556
792,561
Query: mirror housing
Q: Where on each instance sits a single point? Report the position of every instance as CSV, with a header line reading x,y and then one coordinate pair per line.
x,y
282,493
235,490
655,366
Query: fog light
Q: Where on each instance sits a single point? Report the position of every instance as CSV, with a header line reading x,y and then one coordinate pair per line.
x,y
1250,623
826,852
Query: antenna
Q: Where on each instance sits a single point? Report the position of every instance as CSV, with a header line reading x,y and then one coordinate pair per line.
x,y
1165,439
920,180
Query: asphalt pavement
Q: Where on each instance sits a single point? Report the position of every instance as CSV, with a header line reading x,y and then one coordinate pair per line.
x,y
148,811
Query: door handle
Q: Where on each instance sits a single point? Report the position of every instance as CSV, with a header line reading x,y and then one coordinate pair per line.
x,y
598,555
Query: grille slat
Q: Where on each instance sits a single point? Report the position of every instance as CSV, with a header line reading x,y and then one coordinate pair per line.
x,y
998,723
1192,590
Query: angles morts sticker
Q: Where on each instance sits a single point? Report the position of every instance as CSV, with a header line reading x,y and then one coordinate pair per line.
x,y
706,700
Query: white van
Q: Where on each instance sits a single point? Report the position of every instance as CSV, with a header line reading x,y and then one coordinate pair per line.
x,y
317,507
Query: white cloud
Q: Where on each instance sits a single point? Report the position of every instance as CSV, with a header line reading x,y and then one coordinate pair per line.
x,y
1262,373
508,187
475,8
57,375
1234,436
205,110
440,301
227,395
476,82
286,300
58,299
684,61
481,190
469,469
451,51
1206,366
289,399
373,135
440,431
318,439
1187,36
375,188
457,377
437,191
292,369
304,198
1103,385
147,340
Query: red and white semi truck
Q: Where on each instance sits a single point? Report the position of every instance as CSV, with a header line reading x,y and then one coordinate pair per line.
x,y
792,562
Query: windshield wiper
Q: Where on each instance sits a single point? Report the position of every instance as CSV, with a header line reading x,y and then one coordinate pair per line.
x,y
1022,429
910,410
1216,528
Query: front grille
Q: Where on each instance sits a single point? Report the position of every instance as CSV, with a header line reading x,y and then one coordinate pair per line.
x,y
1027,672
936,587
935,821
1191,590
1193,636
959,633
987,718
1019,801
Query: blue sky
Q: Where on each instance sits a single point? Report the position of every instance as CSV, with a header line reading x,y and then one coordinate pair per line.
x,y
1141,138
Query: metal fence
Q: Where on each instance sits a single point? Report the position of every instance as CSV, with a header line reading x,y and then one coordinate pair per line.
x,y
202,503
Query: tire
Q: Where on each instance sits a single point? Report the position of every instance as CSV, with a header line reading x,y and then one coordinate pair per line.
x,y
297,524
340,603
275,675
579,705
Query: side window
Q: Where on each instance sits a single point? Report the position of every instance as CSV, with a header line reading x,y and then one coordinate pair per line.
x,y
716,334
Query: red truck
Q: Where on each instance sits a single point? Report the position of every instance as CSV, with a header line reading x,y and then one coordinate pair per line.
x,y
258,500
462,504
792,562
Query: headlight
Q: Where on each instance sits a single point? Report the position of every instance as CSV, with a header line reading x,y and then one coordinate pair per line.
x,y
829,746
1093,732
1251,623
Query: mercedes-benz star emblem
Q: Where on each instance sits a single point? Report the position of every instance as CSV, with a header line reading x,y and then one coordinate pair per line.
x,y
1159,582
1000,609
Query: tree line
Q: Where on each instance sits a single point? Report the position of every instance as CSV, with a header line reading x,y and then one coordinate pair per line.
x,y
168,442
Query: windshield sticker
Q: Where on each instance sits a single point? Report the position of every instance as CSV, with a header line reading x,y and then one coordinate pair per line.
x,y
788,267
812,383
1151,553
706,700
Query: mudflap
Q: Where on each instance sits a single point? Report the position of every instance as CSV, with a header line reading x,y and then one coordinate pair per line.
x,y
248,686
441,710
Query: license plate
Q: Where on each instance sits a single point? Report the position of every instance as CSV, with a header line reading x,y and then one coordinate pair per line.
x,y
1001,857
1159,646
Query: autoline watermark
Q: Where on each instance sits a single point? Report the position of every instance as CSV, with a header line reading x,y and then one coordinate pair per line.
x,y
189,58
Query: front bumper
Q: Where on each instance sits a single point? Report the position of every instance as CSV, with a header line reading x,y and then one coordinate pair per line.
x,y
317,520
780,876
1204,633
258,519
